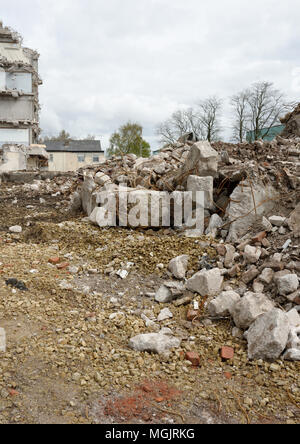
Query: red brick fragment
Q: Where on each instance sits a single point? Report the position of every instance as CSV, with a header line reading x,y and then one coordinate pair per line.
x,y
54,260
259,237
192,314
227,375
194,358
297,300
227,353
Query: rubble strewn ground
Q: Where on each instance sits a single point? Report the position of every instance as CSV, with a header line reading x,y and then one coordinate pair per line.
x,y
76,350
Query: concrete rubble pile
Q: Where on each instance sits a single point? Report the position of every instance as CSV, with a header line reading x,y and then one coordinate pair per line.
x,y
241,183
252,218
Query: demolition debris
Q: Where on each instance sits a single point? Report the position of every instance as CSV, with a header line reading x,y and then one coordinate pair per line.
x,y
214,310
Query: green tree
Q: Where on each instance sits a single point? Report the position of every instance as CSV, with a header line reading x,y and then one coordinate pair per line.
x,y
129,140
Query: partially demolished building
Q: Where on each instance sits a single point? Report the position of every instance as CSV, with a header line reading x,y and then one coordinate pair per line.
x,y
19,103
19,83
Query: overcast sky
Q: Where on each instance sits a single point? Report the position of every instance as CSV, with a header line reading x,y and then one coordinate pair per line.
x,y
105,62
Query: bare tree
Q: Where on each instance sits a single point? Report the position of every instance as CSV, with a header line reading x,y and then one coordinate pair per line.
x,y
180,123
257,110
165,131
239,103
203,121
209,118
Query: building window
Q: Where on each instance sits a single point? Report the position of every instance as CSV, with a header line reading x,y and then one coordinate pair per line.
x,y
81,158
11,135
96,159
20,81
51,158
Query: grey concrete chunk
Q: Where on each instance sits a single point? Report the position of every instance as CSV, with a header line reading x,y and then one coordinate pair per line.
x,y
292,354
202,160
267,276
206,283
154,342
241,211
164,295
215,224
2,340
277,221
169,291
287,284
16,229
294,318
205,184
267,337
178,266
223,305
164,315
252,254
247,310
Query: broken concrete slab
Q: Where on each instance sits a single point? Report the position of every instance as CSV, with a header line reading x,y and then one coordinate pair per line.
x,y
247,310
206,282
164,315
287,284
248,202
178,266
266,276
277,221
154,342
294,318
202,160
252,254
169,291
292,354
215,224
268,336
206,184
224,304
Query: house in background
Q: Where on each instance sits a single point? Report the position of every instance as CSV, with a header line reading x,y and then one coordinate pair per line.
x,y
74,154
267,134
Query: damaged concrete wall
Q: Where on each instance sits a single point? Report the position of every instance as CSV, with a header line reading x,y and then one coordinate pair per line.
x,y
12,158
19,83
23,158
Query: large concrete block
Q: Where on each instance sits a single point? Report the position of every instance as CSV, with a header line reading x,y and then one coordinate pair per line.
x,y
224,304
204,184
178,266
287,284
154,342
202,160
206,282
248,203
247,310
268,336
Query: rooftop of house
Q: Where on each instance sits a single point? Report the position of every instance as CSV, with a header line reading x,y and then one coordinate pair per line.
x,y
74,146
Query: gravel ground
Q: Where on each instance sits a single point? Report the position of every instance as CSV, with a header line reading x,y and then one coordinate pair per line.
x,y
68,360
